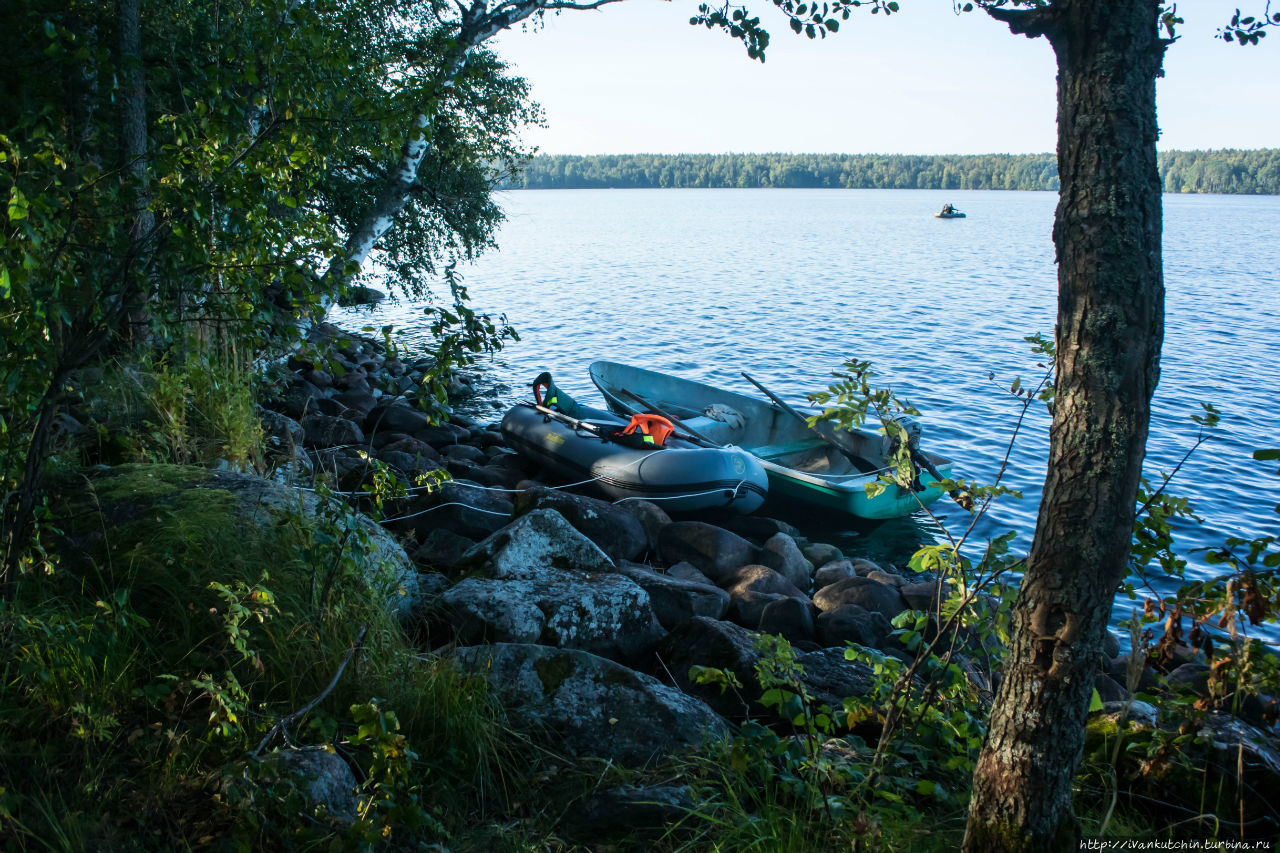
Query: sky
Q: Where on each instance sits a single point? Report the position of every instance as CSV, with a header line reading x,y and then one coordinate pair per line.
x,y
635,77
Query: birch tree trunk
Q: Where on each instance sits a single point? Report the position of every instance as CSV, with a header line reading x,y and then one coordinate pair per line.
x,y
1110,327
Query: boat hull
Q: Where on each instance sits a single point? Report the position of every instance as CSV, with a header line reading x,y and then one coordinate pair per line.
x,y
776,437
851,497
678,477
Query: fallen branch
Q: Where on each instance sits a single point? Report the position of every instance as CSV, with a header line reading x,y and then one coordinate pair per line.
x,y
284,722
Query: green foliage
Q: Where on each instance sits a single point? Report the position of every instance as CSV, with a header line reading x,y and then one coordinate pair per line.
x,y
168,648
1218,171
265,134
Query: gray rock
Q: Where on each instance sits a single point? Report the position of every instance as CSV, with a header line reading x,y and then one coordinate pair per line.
x,y
863,566
675,600
355,378
831,679
397,417
466,452
300,399
704,642
1240,746
465,508
324,778
820,553
1189,678
634,810
541,537
833,572
329,431
885,578
865,593
720,645
618,533
757,578
357,403
319,378
438,435
1141,713
854,624
747,607
755,587
592,705
604,613
652,519
443,550
781,554
687,572
787,617
282,432
424,453
921,596
758,527
1108,689
1110,645
1148,681
714,551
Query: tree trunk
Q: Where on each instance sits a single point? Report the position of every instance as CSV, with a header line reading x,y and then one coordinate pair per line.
x,y
1110,326
133,145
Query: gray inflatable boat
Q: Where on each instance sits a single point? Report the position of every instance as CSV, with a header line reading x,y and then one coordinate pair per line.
x,y
645,458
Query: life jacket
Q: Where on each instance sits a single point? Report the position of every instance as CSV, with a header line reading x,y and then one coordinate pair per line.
x,y
544,383
647,430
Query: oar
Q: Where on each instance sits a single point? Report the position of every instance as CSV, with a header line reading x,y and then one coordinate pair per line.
x,y
568,421
827,434
693,433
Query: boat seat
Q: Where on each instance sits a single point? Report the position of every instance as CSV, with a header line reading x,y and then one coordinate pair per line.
x,y
777,451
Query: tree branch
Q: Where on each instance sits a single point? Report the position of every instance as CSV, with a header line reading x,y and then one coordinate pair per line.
x,y
1032,23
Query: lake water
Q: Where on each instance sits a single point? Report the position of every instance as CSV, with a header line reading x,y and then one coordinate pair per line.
x,y
787,284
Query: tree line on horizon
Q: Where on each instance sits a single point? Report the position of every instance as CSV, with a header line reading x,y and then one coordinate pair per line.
x,y
1253,172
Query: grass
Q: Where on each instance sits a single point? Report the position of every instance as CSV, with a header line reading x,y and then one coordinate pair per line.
x,y
140,672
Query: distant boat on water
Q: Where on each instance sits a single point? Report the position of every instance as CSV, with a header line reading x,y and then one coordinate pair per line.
x,y
949,212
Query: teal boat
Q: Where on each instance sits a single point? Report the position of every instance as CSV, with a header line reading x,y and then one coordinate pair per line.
x,y
801,465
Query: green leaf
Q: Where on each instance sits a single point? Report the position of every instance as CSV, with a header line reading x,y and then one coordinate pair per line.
x,y
4,283
1095,702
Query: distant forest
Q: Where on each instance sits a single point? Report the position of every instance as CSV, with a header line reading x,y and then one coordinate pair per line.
x,y
1224,171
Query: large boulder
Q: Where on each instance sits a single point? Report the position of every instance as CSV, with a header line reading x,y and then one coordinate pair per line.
x,y
821,553
592,705
720,645
538,538
603,613
781,554
833,572
788,617
854,624
397,417
714,551
151,502
753,588
443,550
329,431
618,533
866,593
676,600
831,679
651,517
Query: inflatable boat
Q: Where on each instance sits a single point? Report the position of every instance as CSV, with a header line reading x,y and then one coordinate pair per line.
x,y
802,466
645,457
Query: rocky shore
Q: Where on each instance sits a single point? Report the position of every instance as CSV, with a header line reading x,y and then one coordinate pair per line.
x,y
586,617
